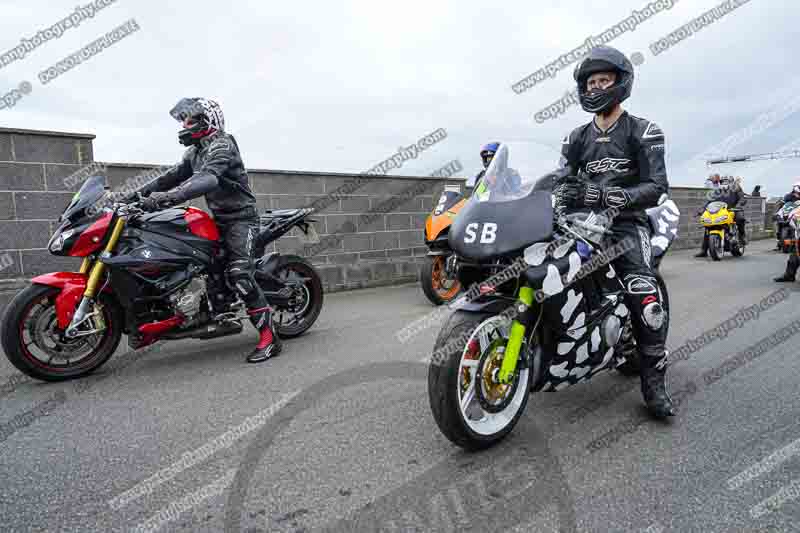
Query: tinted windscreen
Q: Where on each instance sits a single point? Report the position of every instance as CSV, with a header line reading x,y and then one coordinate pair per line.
x,y
89,194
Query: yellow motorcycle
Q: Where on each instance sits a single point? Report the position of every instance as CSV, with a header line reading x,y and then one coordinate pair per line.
x,y
721,231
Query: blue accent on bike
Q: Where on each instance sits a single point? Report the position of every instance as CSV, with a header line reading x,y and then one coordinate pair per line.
x,y
583,250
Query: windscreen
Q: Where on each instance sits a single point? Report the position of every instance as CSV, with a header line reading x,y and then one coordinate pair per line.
x,y
89,194
511,177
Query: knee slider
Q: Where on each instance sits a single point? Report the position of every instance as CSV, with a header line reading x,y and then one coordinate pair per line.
x,y
653,314
240,277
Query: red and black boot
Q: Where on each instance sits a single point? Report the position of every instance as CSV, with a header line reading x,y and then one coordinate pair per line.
x,y
269,345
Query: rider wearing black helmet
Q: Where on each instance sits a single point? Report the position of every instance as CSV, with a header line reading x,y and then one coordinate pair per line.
x,y
212,167
619,161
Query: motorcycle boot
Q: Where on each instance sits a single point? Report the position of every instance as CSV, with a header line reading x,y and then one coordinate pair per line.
x,y
269,343
704,250
791,269
654,382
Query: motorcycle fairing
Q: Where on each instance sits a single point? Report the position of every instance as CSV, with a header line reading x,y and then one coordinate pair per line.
x,y
177,224
72,285
447,200
664,220
516,224
141,249
581,349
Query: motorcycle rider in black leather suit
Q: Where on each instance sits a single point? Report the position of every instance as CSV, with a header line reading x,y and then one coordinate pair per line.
x,y
730,192
212,167
793,263
617,161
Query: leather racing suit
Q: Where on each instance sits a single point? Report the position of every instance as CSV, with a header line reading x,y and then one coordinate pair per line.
x,y
214,168
629,156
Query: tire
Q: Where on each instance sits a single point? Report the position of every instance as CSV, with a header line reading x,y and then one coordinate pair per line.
x,y
17,352
429,281
786,234
313,295
444,380
797,240
715,247
632,365
657,261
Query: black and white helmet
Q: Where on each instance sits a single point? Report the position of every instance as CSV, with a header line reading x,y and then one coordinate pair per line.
x,y
206,115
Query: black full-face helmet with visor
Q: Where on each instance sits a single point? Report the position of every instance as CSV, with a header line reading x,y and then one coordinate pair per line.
x,y
604,59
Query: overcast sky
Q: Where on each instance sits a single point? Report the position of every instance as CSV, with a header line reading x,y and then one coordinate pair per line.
x,y
339,86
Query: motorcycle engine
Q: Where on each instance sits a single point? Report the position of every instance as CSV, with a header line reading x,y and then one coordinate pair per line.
x,y
612,330
188,302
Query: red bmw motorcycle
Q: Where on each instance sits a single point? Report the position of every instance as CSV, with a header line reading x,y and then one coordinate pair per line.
x,y
153,276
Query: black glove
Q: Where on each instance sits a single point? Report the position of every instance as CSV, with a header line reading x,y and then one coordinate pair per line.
x,y
616,197
575,192
570,191
157,201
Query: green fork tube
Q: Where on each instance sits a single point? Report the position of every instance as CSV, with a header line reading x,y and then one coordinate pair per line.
x,y
509,365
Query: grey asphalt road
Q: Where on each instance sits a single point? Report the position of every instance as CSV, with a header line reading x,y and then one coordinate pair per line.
x,y
336,433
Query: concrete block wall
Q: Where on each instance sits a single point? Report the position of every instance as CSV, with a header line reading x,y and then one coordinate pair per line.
x,y
380,248
690,200
377,247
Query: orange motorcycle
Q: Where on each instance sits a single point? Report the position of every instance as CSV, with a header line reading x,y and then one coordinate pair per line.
x,y
438,277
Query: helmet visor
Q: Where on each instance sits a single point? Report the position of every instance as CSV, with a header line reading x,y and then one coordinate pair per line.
x,y
186,108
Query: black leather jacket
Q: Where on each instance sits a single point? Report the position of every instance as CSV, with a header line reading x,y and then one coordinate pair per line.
x,y
629,155
215,169
727,192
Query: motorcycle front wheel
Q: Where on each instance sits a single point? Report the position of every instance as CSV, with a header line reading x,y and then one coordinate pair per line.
x,y
35,345
471,409
715,247
437,286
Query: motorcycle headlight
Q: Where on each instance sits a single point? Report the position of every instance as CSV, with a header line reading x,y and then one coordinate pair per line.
x,y
58,240
707,219
720,218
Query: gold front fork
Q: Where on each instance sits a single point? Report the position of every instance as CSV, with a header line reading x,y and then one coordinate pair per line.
x,y
98,268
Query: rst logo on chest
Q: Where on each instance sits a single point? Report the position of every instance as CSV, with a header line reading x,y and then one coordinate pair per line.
x,y
488,232
606,164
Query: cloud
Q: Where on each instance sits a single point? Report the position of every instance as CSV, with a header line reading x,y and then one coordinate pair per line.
x,y
339,86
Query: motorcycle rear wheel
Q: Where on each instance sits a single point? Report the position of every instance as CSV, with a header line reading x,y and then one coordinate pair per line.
x,y
307,298
29,328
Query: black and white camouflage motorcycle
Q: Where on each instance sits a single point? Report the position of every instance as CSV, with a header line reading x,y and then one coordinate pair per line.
x,y
555,317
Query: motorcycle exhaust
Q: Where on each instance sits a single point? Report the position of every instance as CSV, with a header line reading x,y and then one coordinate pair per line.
x,y
209,331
